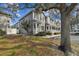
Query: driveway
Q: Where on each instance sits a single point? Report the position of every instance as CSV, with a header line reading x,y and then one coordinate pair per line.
x,y
74,38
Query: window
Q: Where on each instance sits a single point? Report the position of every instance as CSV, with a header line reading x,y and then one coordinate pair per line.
x,y
47,27
78,30
74,30
77,26
37,25
53,27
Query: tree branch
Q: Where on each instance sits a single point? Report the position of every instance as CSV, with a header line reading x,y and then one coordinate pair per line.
x,y
70,8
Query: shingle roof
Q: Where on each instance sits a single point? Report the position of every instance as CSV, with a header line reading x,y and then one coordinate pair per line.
x,y
24,16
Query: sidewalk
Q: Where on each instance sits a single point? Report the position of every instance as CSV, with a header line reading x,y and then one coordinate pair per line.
x,y
51,36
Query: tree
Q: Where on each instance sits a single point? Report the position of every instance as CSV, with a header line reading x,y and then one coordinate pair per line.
x,y
65,10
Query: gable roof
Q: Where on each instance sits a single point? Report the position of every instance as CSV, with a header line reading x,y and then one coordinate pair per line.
x,y
26,15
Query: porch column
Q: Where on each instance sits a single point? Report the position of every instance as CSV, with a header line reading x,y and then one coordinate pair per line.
x,y
33,14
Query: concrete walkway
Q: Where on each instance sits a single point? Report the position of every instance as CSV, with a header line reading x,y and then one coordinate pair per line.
x,y
51,36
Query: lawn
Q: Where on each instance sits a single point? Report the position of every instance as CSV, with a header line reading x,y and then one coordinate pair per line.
x,y
14,45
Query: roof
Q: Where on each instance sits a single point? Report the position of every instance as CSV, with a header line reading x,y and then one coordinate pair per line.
x,y
36,9
24,16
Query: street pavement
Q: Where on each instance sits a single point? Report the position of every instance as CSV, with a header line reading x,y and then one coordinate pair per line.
x,y
72,37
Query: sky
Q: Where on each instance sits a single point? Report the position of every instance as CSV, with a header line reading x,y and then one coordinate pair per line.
x,y
23,12
20,13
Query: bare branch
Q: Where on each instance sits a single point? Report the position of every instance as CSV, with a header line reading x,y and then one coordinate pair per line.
x,y
70,8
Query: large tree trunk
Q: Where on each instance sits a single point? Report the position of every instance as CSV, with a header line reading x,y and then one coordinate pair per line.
x,y
65,34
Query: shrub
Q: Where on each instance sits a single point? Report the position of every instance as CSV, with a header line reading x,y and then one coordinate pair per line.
x,y
43,33
40,34
48,33
2,32
56,33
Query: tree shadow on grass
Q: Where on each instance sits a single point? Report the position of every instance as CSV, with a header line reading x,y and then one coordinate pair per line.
x,y
55,46
16,47
33,44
